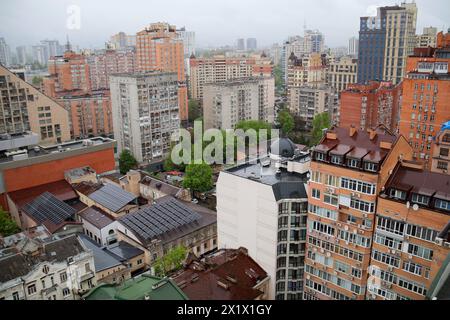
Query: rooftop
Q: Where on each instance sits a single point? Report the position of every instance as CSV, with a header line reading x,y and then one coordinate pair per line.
x,y
103,260
124,251
78,172
162,186
166,220
142,287
96,217
224,275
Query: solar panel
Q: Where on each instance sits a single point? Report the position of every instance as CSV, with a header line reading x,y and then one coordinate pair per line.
x,y
47,207
112,197
160,219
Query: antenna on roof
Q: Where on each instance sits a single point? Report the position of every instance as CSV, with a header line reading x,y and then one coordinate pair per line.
x,y
68,45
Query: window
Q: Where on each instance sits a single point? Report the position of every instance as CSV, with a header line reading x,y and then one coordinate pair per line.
x,y
66,292
322,212
412,267
331,199
443,152
421,232
390,225
337,160
362,205
354,238
397,194
320,156
316,176
32,289
385,258
321,227
332,180
420,199
63,276
315,193
87,267
370,166
353,163
15,295
442,165
420,251
388,241
351,219
442,204
359,186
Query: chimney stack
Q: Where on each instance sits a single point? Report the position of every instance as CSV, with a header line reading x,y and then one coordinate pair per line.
x,y
352,130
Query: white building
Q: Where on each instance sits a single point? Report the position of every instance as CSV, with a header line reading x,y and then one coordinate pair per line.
x,y
188,38
427,38
227,103
353,43
5,53
263,207
145,113
63,270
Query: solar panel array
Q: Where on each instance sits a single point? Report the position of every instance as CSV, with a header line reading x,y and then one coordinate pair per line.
x,y
112,197
159,219
47,207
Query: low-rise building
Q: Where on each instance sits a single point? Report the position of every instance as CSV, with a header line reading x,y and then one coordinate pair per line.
x,y
97,225
223,275
440,161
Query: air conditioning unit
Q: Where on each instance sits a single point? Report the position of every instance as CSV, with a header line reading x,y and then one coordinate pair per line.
x,y
410,256
389,286
391,268
393,251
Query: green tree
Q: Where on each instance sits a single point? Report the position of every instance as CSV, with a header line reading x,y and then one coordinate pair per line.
x,y
320,122
7,225
127,162
171,261
198,177
255,125
36,81
193,110
278,74
286,121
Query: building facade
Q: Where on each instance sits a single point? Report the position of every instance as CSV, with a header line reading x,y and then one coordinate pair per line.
x,y
159,48
342,72
145,113
5,53
308,70
353,44
427,38
367,106
227,103
23,108
441,157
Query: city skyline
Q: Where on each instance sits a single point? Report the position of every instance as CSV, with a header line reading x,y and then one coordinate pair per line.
x,y
232,20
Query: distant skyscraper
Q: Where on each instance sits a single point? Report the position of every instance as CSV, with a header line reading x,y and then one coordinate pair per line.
x,y
385,41
353,46
241,44
40,54
188,38
22,56
53,48
121,41
251,44
314,41
5,54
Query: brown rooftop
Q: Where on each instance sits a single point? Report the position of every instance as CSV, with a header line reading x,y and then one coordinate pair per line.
x,y
86,187
96,217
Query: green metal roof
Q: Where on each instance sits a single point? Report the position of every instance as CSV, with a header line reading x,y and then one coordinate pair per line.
x,y
138,288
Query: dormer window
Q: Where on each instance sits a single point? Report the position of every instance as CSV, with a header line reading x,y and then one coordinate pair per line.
x,y
353,163
320,156
337,160
442,204
397,194
370,166
420,199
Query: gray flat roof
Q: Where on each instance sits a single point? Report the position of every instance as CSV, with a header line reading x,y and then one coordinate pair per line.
x,y
102,259
112,197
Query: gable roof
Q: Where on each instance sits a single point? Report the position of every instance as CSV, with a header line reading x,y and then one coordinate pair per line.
x,y
102,259
112,197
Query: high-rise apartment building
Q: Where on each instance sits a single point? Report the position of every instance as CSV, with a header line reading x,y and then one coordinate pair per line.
x,y
251,44
159,48
314,41
121,41
220,69
103,64
440,161
342,72
349,168
308,69
294,45
262,206
425,99
353,44
22,55
23,108
241,44
412,211
188,38
275,54
385,41
145,113
227,103
53,48
308,101
5,53
69,72
366,106
427,38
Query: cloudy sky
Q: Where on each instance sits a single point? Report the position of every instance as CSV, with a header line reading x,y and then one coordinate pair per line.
x,y
216,22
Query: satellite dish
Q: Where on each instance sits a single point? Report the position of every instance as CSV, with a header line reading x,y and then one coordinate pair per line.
x,y
415,207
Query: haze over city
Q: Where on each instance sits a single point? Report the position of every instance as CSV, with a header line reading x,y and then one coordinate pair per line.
x,y
216,23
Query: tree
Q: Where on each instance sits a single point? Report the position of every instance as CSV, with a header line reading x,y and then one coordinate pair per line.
x,y
193,110
198,177
320,122
286,121
7,225
171,261
127,162
36,81
255,125
278,73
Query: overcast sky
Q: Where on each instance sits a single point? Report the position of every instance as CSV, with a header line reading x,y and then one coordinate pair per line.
x,y
215,22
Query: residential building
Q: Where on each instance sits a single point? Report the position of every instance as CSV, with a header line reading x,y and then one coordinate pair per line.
x,y
353,43
142,287
40,54
5,53
188,38
36,165
168,223
385,41
241,44
24,108
275,54
69,72
23,56
306,70
221,68
308,101
366,106
145,112
227,103
314,41
159,48
349,168
262,206
441,267
251,44
294,45
98,225
342,72
58,269
427,38
90,114
440,161
122,40
425,99
52,48
228,274
412,210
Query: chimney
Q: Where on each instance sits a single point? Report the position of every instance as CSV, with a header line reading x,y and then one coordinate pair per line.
x,y
352,130
372,133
